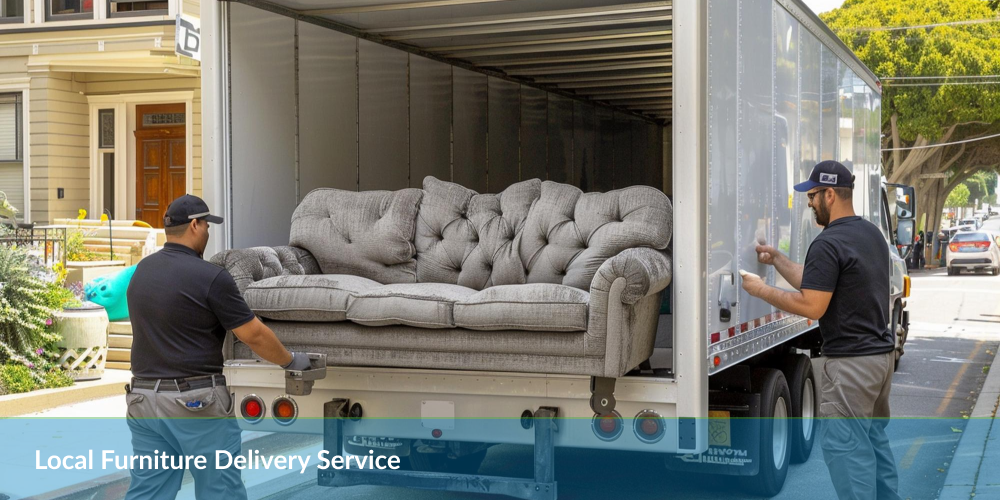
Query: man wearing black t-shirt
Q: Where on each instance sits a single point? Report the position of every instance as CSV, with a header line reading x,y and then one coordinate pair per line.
x,y
180,307
845,285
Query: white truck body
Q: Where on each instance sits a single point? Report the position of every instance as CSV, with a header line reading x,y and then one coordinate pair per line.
x,y
755,93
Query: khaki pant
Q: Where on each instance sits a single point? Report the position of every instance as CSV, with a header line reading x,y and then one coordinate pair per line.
x,y
855,411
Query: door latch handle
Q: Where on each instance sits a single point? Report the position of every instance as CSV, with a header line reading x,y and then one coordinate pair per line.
x,y
726,283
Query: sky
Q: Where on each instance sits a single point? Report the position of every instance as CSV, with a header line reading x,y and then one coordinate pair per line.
x,y
821,6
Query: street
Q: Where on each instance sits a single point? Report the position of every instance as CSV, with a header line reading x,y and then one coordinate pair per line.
x,y
954,335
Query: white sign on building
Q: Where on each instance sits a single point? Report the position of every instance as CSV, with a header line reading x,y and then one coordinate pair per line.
x,y
187,38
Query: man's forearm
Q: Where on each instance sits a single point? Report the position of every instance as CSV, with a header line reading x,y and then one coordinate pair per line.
x,y
791,302
791,271
270,349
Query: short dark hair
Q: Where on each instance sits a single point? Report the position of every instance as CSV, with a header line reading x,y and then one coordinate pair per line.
x,y
175,230
846,194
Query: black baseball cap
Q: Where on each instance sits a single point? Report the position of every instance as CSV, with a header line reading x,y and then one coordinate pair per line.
x,y
187,208
827,174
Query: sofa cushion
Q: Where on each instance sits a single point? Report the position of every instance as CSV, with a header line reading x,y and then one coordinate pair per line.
x,y
467,238
425,305
316,297
367,234
568,234
538,307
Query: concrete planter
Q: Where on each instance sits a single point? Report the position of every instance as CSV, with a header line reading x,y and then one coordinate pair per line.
x,y
84,272
83,350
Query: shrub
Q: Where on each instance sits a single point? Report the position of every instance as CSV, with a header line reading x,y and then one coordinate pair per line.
x,y
75,251
56,378
16,378
27,301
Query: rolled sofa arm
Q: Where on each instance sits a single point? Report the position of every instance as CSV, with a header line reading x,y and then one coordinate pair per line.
x,y
625,308
646,271
248,265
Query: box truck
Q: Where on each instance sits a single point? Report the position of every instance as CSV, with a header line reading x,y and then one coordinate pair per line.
x,y
724,105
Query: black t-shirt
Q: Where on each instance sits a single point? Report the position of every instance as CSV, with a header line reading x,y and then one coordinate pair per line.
x,y
180,307
851,259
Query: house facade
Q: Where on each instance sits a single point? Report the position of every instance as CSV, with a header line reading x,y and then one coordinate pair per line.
x,y
97,112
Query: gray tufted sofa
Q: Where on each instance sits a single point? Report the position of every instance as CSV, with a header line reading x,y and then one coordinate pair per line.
x,y
540,278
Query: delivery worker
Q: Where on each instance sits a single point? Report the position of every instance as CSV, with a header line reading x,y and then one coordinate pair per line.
x,y
180,307
845,285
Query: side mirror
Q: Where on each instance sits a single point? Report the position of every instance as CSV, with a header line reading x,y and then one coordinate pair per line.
x,y
906,202
904,232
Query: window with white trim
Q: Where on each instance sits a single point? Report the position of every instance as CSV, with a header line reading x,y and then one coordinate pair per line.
x,y
11,154
11,11
122,8
58,10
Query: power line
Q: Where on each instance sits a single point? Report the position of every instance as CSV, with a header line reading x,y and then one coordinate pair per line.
x,y
884,78
900,28
944,144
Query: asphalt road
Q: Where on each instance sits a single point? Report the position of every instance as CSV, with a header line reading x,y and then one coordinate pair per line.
x,y
955,329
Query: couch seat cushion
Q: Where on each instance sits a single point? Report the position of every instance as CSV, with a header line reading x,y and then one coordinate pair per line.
x,y
424,305
312,297
539,307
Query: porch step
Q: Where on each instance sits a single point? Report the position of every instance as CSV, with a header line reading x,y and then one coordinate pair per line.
x,y
120,342
120,328
119,354
118,365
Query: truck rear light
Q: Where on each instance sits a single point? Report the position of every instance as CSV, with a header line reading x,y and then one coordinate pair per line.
x,y
284,410
715,337
607,427
648,426
252,409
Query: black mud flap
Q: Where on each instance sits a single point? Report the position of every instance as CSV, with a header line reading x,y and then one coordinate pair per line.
x,y
733,438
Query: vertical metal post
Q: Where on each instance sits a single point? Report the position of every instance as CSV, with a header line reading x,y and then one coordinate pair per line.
x,y
334,413
545,454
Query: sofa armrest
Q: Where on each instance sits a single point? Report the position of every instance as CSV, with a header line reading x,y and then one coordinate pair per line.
x,y
646,271
248,265
625,308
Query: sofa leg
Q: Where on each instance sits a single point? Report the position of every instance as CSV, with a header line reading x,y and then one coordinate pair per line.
x,y
602,395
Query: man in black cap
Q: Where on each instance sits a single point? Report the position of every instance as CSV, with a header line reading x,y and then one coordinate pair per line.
x,y
180,307
844,284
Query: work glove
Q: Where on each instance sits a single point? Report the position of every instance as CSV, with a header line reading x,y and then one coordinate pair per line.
x,y
300,361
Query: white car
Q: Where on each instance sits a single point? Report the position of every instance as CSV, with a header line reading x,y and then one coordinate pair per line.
x,y
975,223
974,251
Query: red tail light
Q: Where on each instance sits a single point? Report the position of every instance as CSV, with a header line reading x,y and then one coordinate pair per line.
x,y
607,427
649,427
252,409
978,245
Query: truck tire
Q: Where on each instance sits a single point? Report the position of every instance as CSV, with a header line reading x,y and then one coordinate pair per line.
x,y
951,271
775,452
439,462
805,405
897,320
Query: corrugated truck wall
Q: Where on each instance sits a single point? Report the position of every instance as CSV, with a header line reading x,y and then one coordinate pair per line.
x,y
315,108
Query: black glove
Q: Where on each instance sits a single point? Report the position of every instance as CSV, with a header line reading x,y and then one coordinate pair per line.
x,y
300,361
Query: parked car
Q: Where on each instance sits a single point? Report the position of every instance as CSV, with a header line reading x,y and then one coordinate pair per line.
x,y
974,251
971,221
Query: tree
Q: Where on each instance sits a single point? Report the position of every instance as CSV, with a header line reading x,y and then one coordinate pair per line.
x,y
959,197
919,114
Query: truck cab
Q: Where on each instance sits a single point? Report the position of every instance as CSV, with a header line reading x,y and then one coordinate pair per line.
x,y
898,226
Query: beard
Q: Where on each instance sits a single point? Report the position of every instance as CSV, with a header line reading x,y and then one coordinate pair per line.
x,y
822,213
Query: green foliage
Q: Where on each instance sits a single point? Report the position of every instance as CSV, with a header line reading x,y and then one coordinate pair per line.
x,y
16,379
56,378
27,300
958,50
958,197
75,251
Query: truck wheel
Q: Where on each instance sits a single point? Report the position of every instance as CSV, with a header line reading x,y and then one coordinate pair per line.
x,y
799,375
775,449
897,320
439,462
951,271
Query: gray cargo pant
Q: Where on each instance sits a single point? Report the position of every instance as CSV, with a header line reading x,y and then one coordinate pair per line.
x,y
855,411
164,422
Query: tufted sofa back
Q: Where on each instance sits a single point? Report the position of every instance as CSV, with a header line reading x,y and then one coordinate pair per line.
x,y
532,232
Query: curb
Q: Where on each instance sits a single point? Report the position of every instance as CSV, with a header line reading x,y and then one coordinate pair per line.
x,y
962,481
111,384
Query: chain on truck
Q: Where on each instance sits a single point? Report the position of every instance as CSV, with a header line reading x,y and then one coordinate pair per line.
x,y
721,105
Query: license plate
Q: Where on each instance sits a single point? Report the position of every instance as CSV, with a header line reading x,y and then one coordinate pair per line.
x,y
376,442
719,432
437,414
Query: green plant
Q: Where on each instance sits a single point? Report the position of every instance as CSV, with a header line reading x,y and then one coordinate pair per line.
x,y
16,378
75,250
27,302
56,378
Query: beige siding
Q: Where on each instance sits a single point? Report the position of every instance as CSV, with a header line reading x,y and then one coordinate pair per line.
x,y
12,184
59,153
192,8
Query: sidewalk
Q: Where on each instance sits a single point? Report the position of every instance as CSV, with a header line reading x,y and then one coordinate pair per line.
x,y
111,384
972,473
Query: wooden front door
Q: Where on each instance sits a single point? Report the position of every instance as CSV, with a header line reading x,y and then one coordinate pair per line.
x,y
161,160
